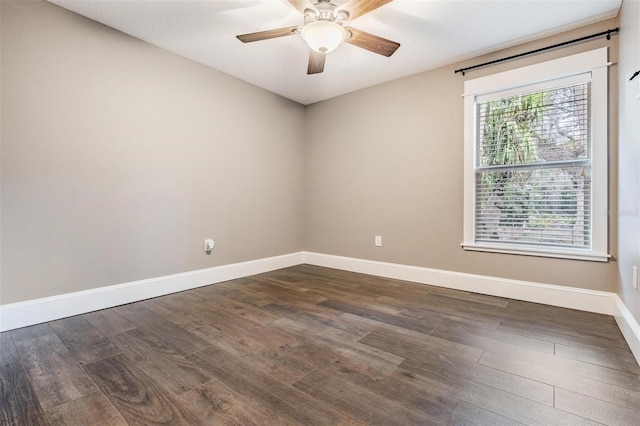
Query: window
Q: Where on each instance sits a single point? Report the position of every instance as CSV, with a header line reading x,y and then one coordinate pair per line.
x,y
536,159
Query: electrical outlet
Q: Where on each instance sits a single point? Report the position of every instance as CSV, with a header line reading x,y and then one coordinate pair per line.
x,y
208,245
378,241
635,277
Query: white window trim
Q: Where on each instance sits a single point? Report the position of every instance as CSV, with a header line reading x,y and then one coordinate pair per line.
x,y
594,62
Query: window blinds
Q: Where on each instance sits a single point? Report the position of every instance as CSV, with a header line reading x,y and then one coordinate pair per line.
x,y
533,168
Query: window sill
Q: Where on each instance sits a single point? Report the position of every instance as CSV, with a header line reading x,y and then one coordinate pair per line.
x,y
527,251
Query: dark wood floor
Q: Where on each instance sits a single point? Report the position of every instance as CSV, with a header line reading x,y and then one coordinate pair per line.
x,y
312,346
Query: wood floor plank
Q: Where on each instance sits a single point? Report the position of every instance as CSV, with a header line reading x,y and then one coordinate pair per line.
x,y
18,402
221,340
451,312
178,318
279,291
302,309
584,369
255,335
280,364
139,399
357,326
425,325
53,371
469,415
310,320
558,324
32,332
479,341
309,356
108,321
473,297
361,282
373,357
368,290
85,341
560,379
569,320
201,329
595,409
492,336
362,326
415,346
464,306
92,409
150,322
161,362
613,359
358,402
445,361
431,402
366,298
235,292
596,372
290,404
491,399
611,342
218,404
245,310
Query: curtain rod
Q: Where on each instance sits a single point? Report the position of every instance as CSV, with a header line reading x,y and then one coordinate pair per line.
x,y
542,49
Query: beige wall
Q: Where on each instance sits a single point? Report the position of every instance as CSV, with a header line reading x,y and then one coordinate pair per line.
x,y
120,158
388,161
629,156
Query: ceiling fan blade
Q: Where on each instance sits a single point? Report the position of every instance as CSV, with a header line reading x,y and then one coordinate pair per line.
x,y
264,35
358,8
302,5
316,62
371,42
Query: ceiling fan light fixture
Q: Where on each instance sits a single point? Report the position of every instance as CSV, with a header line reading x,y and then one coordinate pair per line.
x,y
323,36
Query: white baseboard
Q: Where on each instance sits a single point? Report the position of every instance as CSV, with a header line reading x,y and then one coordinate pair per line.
x,y
629,327
22,314
566,297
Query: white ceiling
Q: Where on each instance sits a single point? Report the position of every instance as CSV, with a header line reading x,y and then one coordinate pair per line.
x,y
432,33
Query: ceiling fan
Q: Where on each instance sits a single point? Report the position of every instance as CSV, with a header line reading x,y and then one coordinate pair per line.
x,y
324,29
